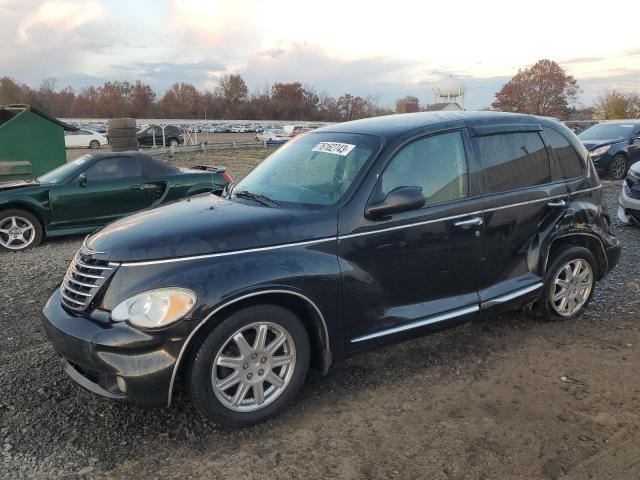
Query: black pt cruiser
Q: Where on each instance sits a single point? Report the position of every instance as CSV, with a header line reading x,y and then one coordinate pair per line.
x,y
350,237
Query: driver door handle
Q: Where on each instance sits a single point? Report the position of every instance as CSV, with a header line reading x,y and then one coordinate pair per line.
x,y
557,203
472,222
136,187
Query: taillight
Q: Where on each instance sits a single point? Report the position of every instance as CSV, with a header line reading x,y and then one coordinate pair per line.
x,y
226,177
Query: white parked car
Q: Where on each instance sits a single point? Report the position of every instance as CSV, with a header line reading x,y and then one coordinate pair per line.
x,y
272,135
84,139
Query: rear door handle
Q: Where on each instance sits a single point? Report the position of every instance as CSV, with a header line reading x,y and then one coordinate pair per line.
x,y
472,222
557,203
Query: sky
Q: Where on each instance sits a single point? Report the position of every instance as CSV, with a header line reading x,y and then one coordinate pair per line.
x,y
381,48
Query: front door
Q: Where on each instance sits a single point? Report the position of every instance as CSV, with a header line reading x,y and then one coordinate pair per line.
x,y
415,270
114,187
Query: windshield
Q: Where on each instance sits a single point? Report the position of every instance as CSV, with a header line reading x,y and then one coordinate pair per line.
x,y
64,171
316,169
605,131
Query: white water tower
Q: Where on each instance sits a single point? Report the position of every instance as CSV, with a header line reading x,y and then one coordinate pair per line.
x,y
449,90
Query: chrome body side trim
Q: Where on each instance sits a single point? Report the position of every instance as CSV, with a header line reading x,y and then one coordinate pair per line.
x,y
511,296
452,217
226,254
231,302
344,237
418,323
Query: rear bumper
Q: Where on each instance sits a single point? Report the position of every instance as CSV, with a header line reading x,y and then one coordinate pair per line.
x,y
113,360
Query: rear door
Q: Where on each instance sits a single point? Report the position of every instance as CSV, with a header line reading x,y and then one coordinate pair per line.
x,y
114,187
522,201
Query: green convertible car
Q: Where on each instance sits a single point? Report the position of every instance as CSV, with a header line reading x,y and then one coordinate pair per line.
x,y
94,190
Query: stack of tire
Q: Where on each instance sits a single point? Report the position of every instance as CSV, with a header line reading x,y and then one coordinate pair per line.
x,y
122,134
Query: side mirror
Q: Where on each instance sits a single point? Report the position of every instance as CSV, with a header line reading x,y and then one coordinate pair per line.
x,y
82,180
401,199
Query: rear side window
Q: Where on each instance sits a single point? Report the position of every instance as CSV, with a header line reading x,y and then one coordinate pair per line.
x,y
437,164
569,164
114,168
514,160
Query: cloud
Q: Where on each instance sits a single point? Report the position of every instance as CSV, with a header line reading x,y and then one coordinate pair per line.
x,y
63,16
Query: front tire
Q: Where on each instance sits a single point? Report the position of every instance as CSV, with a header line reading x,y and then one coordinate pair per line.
x,y
569,284
250,367
94,144
19,230
618,167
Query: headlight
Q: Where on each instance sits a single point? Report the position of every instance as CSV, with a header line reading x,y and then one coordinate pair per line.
x,y
155,308
599,151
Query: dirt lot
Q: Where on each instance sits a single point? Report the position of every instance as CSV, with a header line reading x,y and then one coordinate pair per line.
x,y
510,397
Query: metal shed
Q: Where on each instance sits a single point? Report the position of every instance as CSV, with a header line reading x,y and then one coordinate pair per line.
x,y
31,142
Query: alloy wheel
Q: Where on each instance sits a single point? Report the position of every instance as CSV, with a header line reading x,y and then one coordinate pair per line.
x,y
253,367
618,167
571,287
16,233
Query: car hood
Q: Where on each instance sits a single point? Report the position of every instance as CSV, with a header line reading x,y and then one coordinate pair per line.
x,y
591,144
206,224
15,184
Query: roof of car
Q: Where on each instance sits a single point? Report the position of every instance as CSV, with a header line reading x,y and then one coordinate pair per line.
x,y
151,167
620,122
392,126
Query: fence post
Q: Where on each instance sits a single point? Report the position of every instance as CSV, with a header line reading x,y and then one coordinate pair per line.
x,y
264,142
173,149
234,144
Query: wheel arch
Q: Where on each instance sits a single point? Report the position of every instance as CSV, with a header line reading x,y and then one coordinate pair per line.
x,y
589,241
28,207
301,305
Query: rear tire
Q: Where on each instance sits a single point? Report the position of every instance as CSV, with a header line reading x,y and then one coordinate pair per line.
x,y
13,220
618,167
562,289
122,133
114,123
252,398
123,144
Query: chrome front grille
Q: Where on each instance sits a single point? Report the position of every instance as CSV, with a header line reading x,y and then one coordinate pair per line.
x,y
83,280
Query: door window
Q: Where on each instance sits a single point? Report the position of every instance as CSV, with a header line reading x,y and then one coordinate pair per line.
x,y
514,160
114,168
569,164
437,164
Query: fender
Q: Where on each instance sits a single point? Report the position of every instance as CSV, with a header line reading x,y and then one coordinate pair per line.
x,y
32,205
237,299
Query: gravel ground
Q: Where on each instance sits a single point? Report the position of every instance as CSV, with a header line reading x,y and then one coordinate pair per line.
x,y
508,397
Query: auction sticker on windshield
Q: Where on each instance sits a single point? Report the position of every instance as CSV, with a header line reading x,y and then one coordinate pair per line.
x,y
334,147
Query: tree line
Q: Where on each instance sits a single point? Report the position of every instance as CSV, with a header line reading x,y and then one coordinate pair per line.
x,y
545,88
230,99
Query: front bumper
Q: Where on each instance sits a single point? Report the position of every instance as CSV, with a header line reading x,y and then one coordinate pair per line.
x,y
113,360
627,206
601,163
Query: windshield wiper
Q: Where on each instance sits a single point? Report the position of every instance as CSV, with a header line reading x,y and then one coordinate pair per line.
x,y
263,199
226,193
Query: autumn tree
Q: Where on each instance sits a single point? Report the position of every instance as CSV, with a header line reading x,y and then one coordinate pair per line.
x,y
287,100
544,89
615,104
182,100
234,91
408,104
